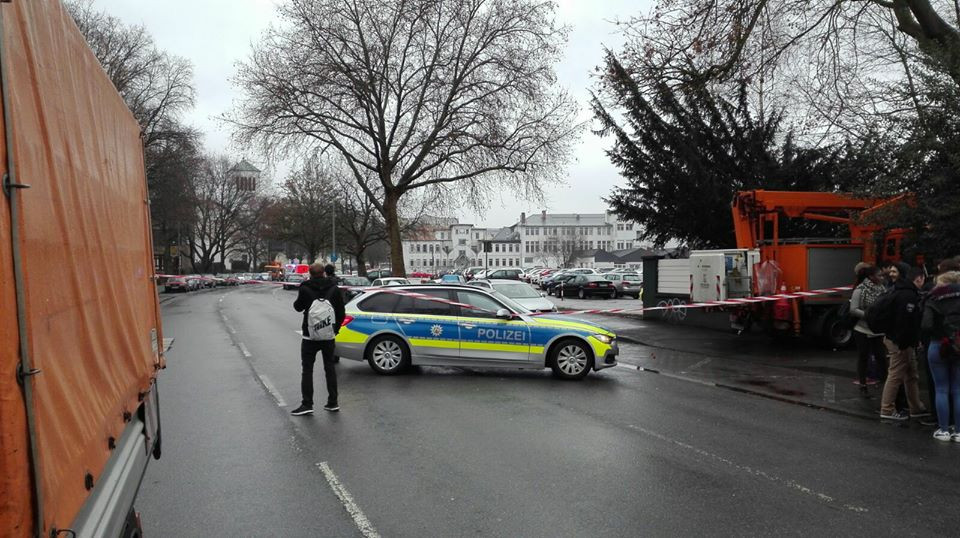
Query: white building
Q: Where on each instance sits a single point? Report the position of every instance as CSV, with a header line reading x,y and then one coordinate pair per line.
x,y
549,240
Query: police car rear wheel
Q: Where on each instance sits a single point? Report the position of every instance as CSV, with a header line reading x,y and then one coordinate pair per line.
x,y
388,355
570,360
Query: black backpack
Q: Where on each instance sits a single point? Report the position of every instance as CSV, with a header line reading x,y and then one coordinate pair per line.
x,y
950,344
882,316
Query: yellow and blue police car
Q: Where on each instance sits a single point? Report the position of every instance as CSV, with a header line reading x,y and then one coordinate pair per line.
x,y
467,327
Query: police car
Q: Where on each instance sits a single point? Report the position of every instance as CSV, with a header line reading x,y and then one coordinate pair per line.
x,y
392,331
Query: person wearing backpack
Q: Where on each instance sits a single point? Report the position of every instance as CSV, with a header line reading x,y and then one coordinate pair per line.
x,y
898,318
941,324
321,302
869,289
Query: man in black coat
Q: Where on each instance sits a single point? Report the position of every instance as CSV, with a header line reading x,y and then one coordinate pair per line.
x,y
321,285
901,344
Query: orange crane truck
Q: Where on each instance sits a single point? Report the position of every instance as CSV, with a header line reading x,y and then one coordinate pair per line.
x,y
80,346
805,264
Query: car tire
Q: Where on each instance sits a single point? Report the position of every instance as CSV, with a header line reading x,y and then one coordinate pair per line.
x,y
616,294
388,355
581,294
571,359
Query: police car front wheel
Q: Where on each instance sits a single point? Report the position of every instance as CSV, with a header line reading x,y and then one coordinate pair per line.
x,y
571,359
388,355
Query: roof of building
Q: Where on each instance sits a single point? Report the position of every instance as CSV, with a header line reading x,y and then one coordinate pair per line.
x,y
244,166
565,219
633,254
506,235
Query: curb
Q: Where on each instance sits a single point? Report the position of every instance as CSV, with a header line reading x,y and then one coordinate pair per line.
x,y
744,390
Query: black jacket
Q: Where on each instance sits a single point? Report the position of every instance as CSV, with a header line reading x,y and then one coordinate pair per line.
x,y
941,310
906,305
315,288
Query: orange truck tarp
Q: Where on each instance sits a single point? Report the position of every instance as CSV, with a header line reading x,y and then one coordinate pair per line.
x,y
92,317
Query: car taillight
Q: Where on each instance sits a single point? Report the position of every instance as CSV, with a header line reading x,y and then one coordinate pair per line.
x,y
592,285
346,321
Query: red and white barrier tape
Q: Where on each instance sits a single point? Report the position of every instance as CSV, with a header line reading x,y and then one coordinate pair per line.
x,y
706,304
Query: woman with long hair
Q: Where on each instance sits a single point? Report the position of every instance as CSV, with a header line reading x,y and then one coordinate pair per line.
x,y
941,324
869,288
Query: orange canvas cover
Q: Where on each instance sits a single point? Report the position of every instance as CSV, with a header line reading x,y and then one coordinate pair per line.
x,y
92,313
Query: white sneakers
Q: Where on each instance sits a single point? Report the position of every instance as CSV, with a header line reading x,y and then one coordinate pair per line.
x,y
944,435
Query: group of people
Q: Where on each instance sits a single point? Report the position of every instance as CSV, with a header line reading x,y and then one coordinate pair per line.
x,y
922,314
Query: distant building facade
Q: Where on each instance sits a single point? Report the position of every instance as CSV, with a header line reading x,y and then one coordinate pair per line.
x,y
547,240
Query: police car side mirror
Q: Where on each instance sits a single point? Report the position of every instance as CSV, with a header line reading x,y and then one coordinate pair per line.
x,y
503,313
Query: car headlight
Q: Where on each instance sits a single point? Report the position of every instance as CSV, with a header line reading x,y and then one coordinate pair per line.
x,y
603,338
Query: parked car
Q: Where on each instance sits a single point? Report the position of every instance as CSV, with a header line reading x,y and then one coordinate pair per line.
x,y
584,286
451,279
390,281
379,273
392,332
471,272
357,284
552,286
293,281
628,284
548,281
507,273
521,292
177,284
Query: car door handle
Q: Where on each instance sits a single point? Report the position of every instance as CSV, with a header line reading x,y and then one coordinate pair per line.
x,y
467,325
406,321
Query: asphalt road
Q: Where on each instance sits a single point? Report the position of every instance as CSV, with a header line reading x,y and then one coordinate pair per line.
x,y
463,452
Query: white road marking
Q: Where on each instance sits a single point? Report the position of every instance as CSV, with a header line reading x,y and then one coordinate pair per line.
x,y
829,390
759,473
700,364
361,521
244,350
272,390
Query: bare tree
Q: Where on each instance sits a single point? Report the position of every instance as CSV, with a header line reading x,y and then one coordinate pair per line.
x,y
157,86
836,65
413,95
220,213
307,206
258,218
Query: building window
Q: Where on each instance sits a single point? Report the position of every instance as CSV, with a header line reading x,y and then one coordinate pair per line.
x,y
461,242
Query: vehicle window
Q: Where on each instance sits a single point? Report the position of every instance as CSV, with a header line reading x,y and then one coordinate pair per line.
x,y
381,303
517,291
631,278
612,277
478,300
431,308
591,278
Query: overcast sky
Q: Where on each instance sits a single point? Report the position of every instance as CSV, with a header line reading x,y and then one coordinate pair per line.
x,y
215,34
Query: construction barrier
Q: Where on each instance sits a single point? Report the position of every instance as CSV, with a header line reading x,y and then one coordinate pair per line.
x,y
706,304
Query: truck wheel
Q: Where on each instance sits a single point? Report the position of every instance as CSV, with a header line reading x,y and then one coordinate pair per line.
x,y
388,355
571,360
833,332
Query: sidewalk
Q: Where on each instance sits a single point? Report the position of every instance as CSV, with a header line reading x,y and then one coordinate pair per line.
x,y
790,371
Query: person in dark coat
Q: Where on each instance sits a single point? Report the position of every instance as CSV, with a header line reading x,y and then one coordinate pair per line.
x,y
941,326
321,285
901,344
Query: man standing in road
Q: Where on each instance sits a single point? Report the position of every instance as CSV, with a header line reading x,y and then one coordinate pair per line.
x,y
322,285
901,344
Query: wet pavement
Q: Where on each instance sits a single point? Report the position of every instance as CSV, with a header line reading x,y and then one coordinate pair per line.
x,y
793,370
500,452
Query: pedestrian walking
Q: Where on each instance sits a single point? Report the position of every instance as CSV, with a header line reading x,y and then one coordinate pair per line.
x,y
941,325
321,302
869,289
901,340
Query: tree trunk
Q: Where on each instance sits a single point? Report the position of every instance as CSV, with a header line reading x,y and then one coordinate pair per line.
x,y
393,233
361,264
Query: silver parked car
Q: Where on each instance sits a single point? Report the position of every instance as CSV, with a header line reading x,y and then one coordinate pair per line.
x,y
626,284
521,292
391,332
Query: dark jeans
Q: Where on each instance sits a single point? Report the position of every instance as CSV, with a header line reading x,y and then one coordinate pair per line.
x,y
866,346
946,377
308,356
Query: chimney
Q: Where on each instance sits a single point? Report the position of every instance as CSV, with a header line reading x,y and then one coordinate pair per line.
x,y
543,216
523,218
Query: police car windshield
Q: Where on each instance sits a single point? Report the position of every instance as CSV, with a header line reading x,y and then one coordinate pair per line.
x,y
511,304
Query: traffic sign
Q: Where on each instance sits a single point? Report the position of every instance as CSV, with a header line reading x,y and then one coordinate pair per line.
x,y
333,257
